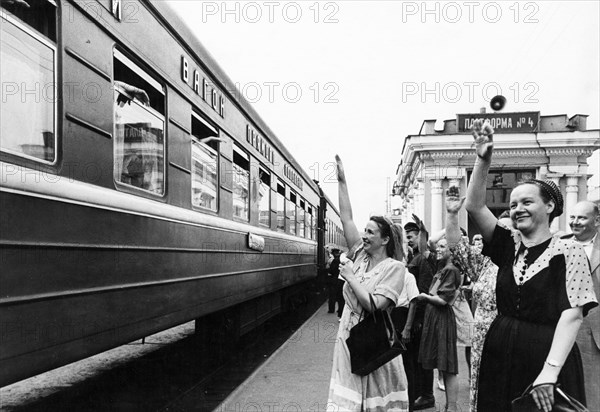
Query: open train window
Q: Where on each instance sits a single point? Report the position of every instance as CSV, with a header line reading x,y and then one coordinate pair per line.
x,y
291,212
139,144
264,198
241,184
300,218
281,208
28,77
205,161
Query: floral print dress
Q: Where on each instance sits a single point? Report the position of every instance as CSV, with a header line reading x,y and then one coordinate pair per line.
x,y
482,272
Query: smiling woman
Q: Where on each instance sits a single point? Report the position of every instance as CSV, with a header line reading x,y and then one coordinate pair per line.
x,y
543,290
377,275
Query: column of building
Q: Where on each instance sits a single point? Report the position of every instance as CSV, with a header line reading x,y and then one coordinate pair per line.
x,y
419,198
436,205
555,177
572,190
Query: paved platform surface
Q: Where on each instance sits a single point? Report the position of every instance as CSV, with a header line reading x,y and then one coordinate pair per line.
x,y
296,377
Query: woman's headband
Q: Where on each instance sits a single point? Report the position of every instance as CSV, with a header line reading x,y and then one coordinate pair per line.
x,y
552,191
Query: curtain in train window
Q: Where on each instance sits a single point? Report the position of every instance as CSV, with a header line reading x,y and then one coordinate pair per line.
x,y
280,208
205,160
291,213
300,217
264,198
241,184
27,75
139,144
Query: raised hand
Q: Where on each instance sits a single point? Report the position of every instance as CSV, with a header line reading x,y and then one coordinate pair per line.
x,y
340,169
419,223
483,133
453,200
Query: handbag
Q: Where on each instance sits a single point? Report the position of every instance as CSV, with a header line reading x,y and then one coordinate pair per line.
x,y
562,402
373,341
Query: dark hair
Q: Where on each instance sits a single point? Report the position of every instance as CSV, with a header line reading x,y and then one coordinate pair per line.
x,y
548,192
395,245
411,227
504,214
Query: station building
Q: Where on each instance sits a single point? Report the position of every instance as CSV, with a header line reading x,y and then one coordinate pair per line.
x,y
526,145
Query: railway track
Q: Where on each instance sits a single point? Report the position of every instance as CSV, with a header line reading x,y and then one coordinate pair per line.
x,y
169,371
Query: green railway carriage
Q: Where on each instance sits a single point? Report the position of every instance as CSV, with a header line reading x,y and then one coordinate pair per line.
x,y
138,190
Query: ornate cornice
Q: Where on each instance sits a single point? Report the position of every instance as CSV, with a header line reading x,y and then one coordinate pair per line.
x,y
571,151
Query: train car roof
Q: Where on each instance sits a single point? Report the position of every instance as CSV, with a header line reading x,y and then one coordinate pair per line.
x,y
330,203
184,34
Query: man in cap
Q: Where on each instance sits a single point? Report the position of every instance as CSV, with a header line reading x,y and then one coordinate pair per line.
x,y
584,221
335,284
420,266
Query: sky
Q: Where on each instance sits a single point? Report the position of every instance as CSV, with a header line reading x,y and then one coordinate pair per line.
x,y
355,78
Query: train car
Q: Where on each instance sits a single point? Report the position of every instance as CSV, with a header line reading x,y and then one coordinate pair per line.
x,y
138,189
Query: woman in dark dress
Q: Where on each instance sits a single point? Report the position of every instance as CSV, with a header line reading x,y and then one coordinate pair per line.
x,y
438,339
543,290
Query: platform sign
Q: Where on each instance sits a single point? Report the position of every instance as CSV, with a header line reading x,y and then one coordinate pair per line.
x,y
502,122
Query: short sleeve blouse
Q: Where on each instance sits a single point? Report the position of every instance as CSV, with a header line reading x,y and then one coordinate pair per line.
x,y
554,277
385,279
445,283
409,291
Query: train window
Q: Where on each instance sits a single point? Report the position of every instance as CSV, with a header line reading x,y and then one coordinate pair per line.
x,y
28,70
291,212
300,217
314,225
264,196
241,184
280,208
139,127
309,222
205,160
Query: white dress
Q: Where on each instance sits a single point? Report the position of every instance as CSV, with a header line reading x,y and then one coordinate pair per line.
x,y
385,389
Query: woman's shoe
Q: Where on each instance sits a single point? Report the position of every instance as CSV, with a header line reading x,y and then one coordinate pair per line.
x,y
441,385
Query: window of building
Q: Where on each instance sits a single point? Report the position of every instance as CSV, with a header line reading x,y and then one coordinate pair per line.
x,y
28,77
280,208
205,161
139,146
291,213
301,218
264,198
241,184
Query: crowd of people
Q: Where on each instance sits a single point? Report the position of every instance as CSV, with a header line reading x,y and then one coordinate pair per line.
x,y
520,300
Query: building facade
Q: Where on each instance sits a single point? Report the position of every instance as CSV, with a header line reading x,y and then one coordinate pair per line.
x,y
526,145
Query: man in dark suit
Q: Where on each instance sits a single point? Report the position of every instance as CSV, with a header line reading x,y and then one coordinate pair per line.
x,y
335,284
420,265
585,223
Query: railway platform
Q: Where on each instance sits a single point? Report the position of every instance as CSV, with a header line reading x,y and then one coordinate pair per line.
x,y
296,377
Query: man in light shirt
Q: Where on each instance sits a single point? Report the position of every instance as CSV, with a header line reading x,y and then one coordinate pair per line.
x,y
584,221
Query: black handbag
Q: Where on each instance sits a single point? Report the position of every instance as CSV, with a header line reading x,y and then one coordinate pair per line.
x,y
373,341
562,402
